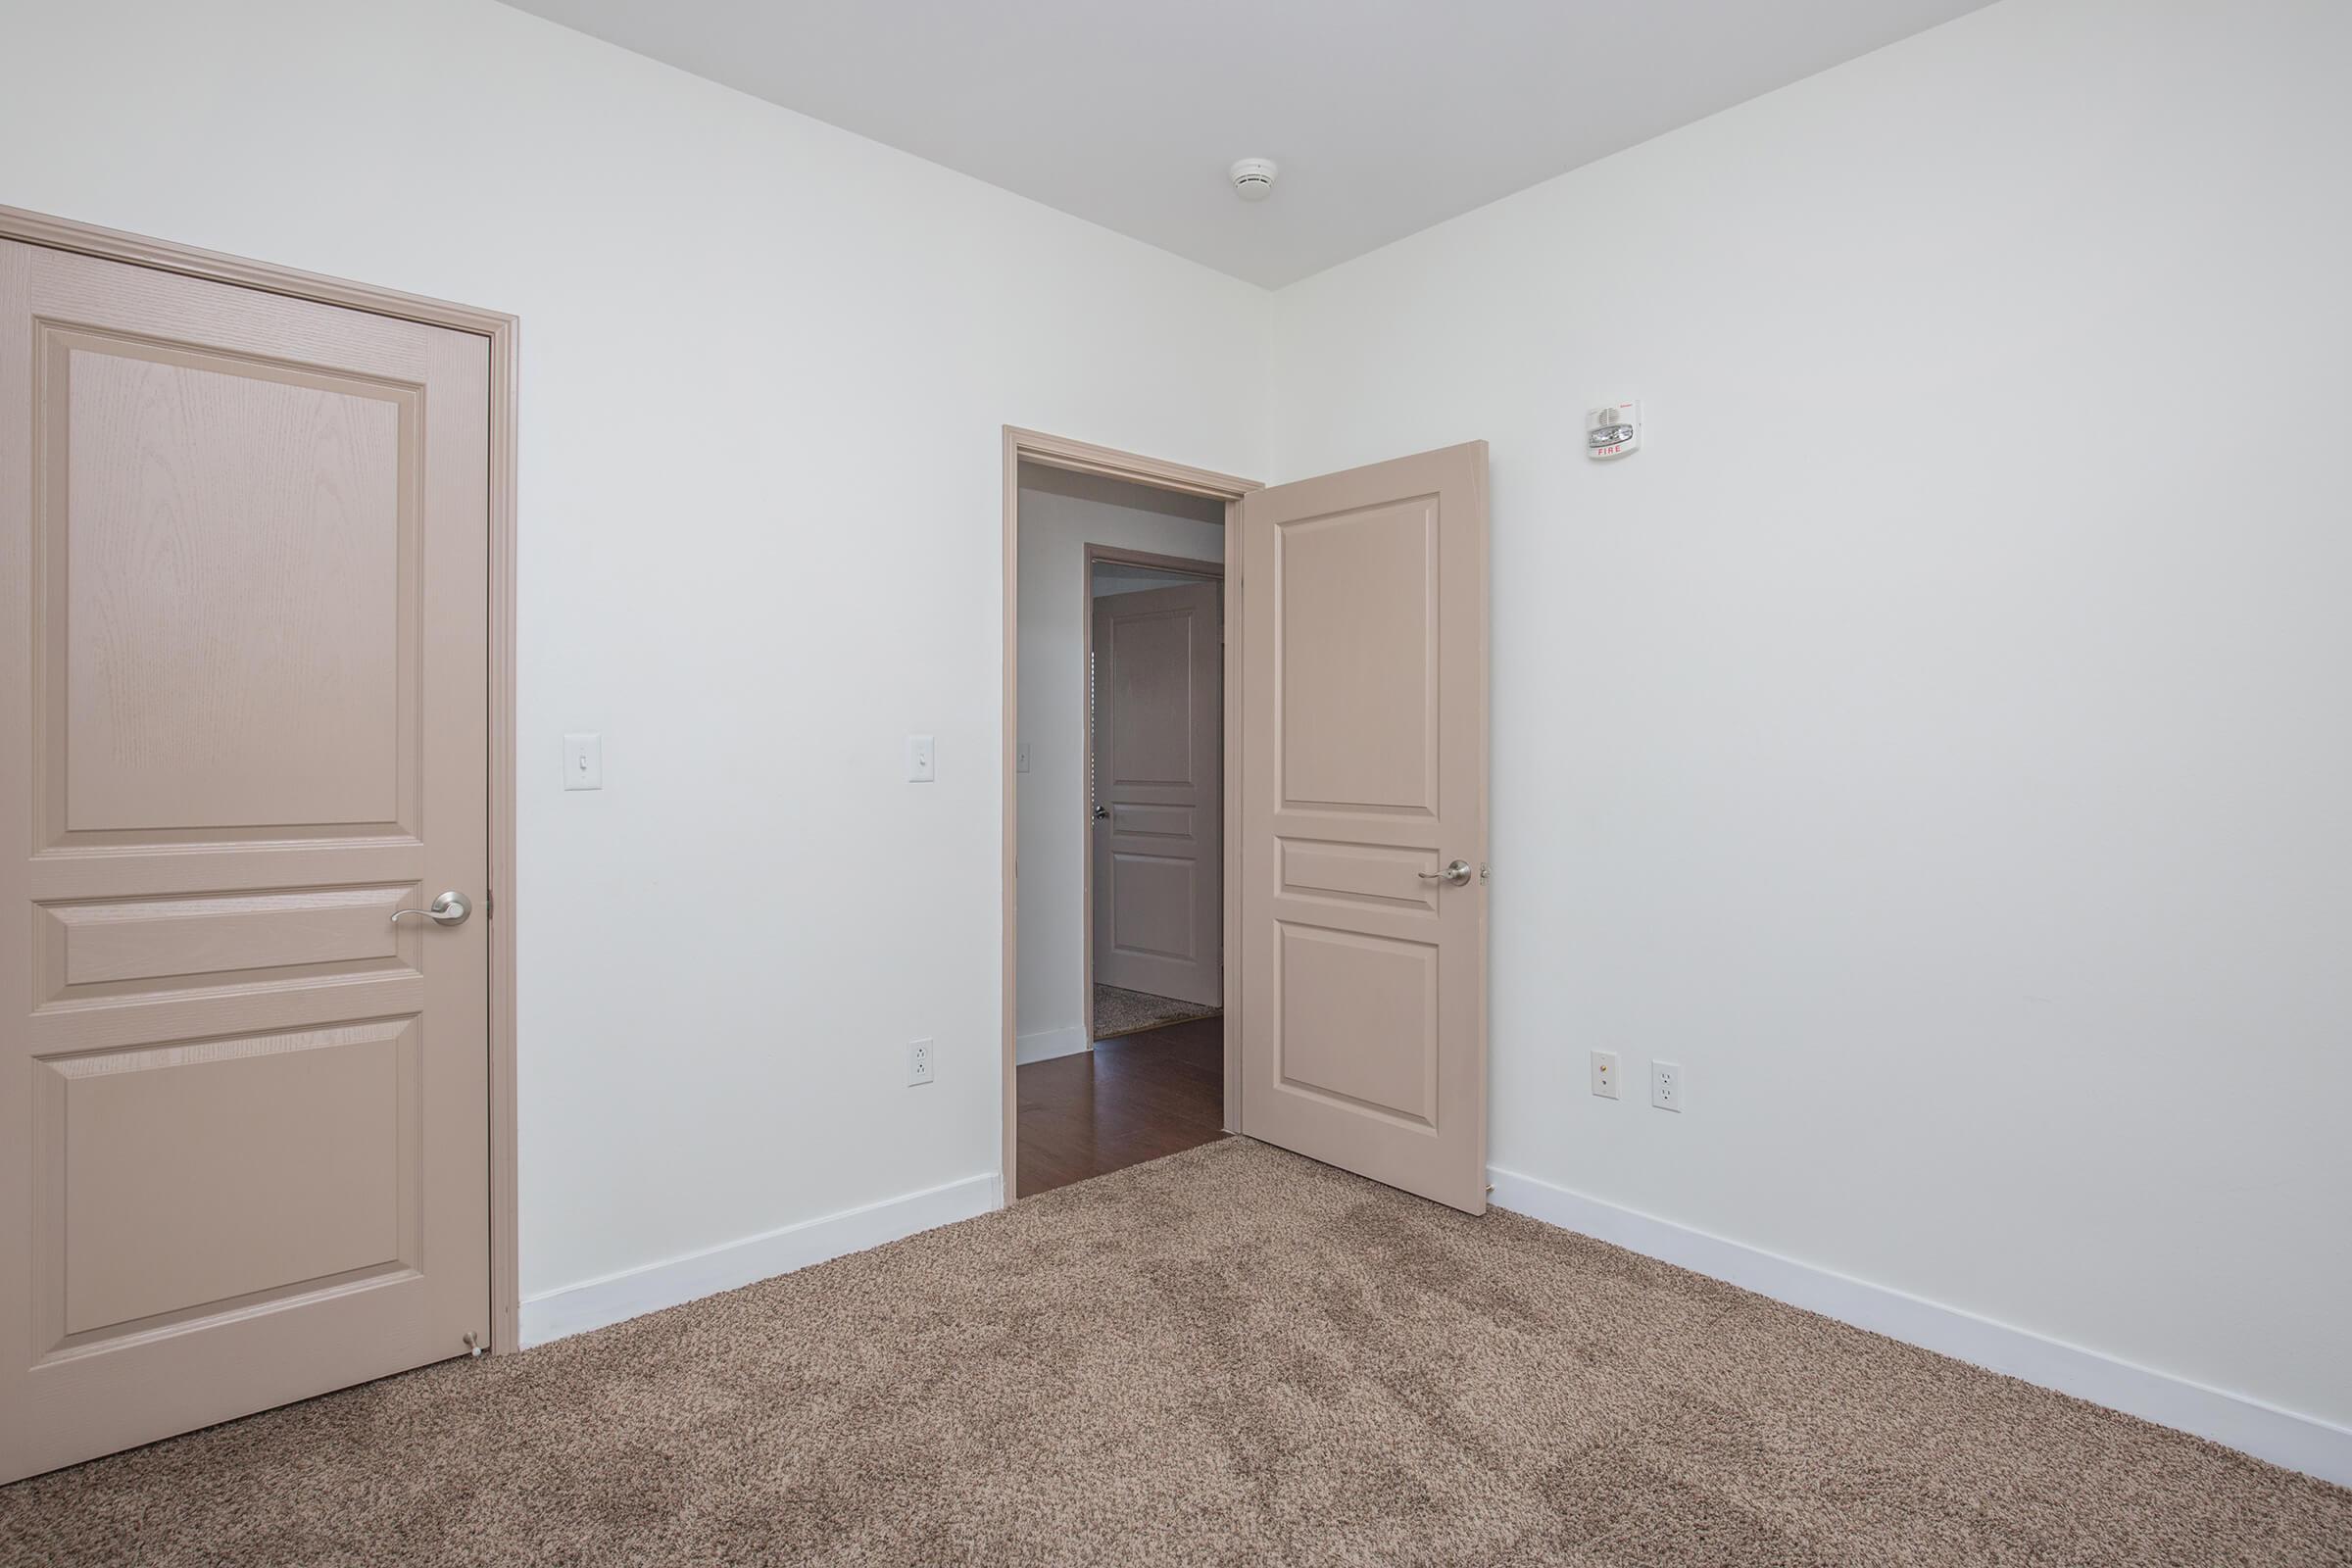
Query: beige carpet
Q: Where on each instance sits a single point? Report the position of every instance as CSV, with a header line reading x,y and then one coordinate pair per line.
x,y
1230,1357
1119,1011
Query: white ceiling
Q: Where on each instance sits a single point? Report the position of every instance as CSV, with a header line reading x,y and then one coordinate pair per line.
x,y
1385,116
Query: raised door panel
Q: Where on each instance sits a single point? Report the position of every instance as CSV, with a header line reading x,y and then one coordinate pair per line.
x,y
121,947
251,725
1359,697
1356,1021
172,1167
1152,906
233,547
1378,875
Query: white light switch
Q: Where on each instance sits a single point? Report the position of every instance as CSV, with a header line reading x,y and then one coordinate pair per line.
x,y
922,762
583,761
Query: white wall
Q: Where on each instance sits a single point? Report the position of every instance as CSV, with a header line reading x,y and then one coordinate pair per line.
x,y
765,365
1062,513
1939,739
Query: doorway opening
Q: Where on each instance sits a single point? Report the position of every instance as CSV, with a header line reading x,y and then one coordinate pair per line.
x,y
1118,771
1352,866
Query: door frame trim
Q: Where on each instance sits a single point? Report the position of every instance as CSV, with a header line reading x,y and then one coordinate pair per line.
x,y
501,330
1207,570
1084,457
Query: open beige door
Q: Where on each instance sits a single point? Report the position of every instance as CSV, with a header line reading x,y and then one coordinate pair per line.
x,y
1363,937
243,602
1158,852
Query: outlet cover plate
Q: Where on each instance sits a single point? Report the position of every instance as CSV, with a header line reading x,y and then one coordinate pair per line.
x,y
1605,1076
1668,1088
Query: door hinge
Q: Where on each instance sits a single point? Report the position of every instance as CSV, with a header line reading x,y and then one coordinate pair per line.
x,y
489,903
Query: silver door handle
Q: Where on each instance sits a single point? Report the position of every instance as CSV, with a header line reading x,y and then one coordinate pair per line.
x,y
450,909
1459,873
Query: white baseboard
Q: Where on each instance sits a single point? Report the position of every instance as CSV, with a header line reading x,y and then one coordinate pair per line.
x,y
1047,1043
2282,1437
592,1304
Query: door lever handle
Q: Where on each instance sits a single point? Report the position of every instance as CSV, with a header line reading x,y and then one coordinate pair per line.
x,y
1459,873
450,909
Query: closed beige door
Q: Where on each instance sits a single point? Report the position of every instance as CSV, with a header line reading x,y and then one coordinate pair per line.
x,y
243,1113
1158,845
1363,683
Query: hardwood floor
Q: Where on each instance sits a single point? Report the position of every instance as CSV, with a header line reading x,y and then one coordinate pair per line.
x,y
1125,1102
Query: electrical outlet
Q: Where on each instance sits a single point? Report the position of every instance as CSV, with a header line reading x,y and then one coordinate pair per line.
x,y
1605,1074
1666,1086
919,1061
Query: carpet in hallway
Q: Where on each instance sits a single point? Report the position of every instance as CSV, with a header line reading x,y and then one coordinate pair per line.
x,y
1119,1011
1229,1356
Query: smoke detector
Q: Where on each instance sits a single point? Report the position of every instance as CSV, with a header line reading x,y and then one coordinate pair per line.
x,y
1252,177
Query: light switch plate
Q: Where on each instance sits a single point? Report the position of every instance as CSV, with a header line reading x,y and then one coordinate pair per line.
x,y
922,760
583,761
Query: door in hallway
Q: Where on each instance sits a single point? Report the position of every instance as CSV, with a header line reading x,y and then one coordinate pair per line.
x,y
1363,821
1158,792
243,1112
